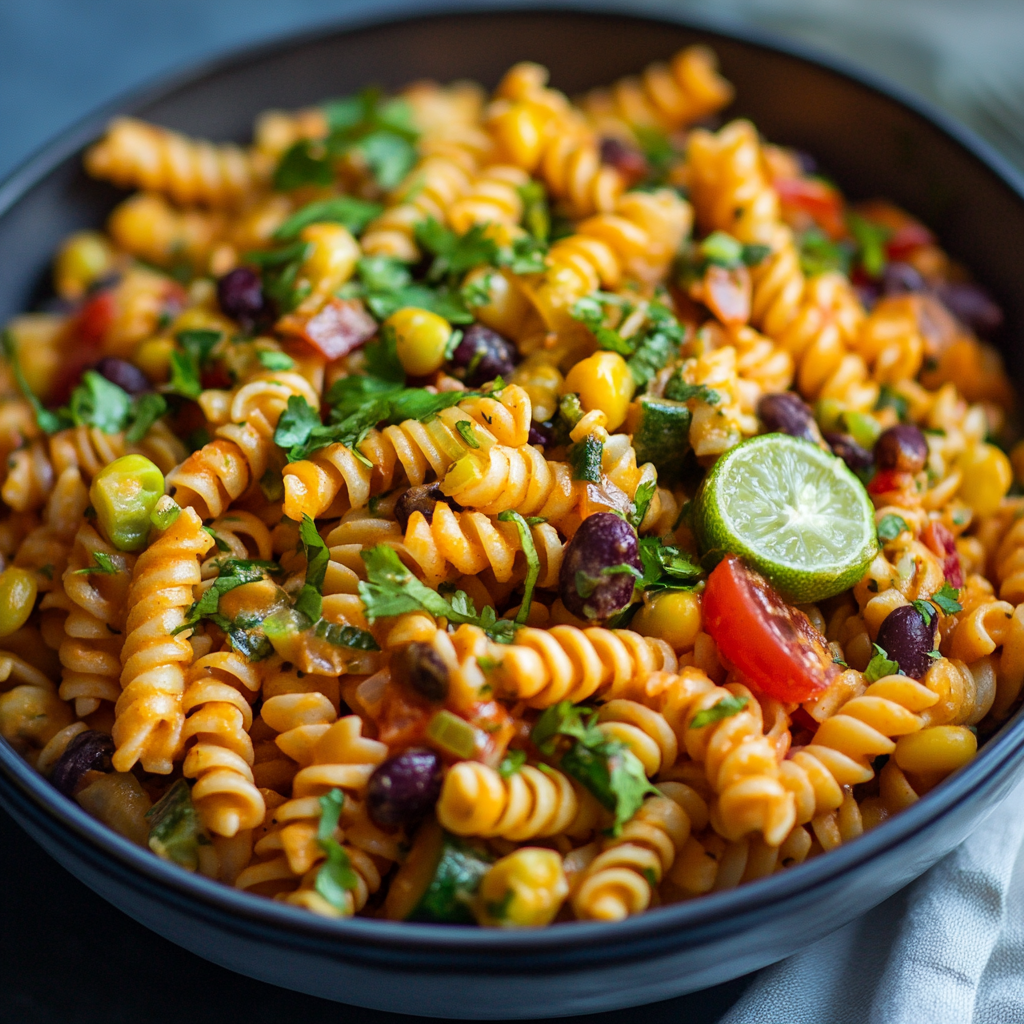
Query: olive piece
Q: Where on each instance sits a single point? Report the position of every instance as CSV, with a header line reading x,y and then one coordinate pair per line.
x,y
419,667
421,498
629,162
901,278
240,295
844,446
971,305
588,589
485,354
125,375
907,639
902,448
403,789
787,413
88,751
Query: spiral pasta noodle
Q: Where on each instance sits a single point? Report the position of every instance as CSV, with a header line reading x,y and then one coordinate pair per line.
x,y
149,715
134,153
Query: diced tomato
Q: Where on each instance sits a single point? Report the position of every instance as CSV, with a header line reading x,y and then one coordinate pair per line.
x,y
341,326
402,718
95,318
887,480
906,239
817,199
773,645
939,539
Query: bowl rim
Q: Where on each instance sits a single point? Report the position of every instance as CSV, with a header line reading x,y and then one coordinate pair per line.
x,y
374,938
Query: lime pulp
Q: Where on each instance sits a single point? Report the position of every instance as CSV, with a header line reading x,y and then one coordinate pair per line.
x,y
790,510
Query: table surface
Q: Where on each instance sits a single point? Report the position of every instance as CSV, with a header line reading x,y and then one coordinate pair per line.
x,y
68,955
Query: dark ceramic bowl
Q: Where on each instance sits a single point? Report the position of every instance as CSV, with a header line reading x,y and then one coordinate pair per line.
x,y
874,142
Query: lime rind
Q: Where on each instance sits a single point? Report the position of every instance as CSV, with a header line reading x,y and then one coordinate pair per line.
x,y
792,511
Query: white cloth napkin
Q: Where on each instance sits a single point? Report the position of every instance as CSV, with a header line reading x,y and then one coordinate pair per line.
x,y
948,949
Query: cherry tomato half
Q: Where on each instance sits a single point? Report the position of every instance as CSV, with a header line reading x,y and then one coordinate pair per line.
x,y
817,199
773,645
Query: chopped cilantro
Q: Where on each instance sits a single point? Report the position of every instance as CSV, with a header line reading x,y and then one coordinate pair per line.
x,y
335,879
353,213
820,255
465,429
455,255
47,421
104,566
642,502
536,215
725,708
880,665
345,636
891,526
532,561
677,390
318,556
947,598
871,239
511,763
188,360
889,398
666,567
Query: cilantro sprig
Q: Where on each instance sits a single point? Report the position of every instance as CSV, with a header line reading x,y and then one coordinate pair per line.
x,y
379,130
335,879
666,567
881,665
390,589
605,766
95,402
188,361
725,708
105,566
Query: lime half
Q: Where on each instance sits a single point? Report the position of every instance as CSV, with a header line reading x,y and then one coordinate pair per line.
x,y
790,510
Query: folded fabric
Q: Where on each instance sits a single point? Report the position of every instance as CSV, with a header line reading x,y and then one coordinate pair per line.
x,y
948,949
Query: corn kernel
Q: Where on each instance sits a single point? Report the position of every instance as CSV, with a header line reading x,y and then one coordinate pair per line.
x,y
84,258
987,475
421,339
18,589
941,748
672,616
153,358
603,381
526,889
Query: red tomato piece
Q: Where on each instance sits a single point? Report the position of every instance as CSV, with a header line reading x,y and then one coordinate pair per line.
x,y
338,328
95,318
773,645
814,197
939,539
888,480
906,239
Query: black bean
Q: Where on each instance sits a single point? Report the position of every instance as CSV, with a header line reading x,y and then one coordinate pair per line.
x,y
604,541
808,162
907,639
420,498
971,305
849,451
419,667
88,751
403,789
902,448
787,413
541,433
901,278
240,295
124,374
629,162
485,354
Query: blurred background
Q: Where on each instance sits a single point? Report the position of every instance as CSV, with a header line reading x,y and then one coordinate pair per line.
x,y
61,58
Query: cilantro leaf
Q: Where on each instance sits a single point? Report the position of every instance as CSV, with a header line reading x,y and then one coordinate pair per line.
x,y
880,665
890,527
532,560
871,239
536,215
564,719
386,284
677,390
465,429
146,410
104,566
659,341
335,879
527,255
926,610
889,398
318,557
353,213
947,598
233,573
454,254
642,502
666,567
98,402
511,763
820,255
296,423
725,708
345,636
276,360
305,162
390,589
188,360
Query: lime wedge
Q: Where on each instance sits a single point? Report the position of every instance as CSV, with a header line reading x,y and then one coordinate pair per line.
x,y
790,510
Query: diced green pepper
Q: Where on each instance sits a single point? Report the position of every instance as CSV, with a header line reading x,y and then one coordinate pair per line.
x,y
124,495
